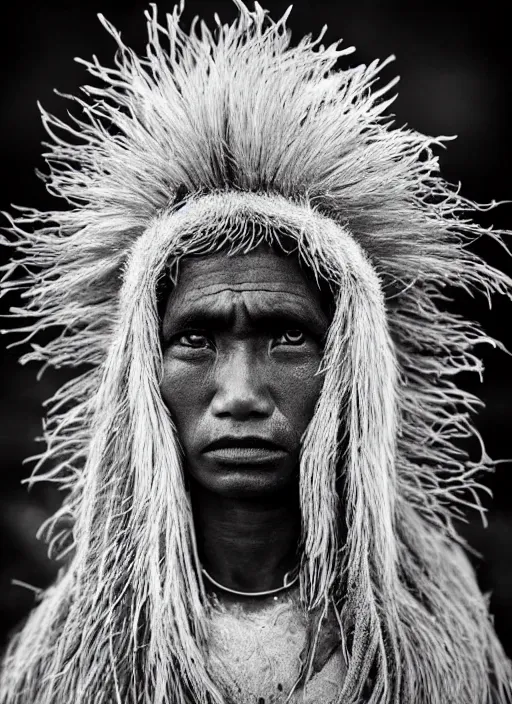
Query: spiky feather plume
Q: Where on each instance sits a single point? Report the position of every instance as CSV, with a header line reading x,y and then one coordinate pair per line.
x,y
306,153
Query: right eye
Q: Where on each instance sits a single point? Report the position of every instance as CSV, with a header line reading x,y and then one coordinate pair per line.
x,y
196,340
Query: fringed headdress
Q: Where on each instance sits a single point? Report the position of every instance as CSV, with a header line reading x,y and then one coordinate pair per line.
x,y
267,141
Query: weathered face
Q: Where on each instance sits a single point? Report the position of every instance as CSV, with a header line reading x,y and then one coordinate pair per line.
x,y
242,346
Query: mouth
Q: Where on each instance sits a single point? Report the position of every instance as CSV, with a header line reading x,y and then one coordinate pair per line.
x,y
245,450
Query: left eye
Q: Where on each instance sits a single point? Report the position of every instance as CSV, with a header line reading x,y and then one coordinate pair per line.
x,y
291,337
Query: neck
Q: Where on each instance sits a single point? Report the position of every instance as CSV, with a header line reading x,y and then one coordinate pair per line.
x,y
247,544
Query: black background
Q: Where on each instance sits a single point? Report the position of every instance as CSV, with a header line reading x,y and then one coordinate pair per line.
x,y
455,72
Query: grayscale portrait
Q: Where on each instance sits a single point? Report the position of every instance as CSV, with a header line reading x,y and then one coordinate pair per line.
x,y
262,439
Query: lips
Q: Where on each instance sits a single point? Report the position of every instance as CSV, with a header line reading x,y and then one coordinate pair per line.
x,y
245,450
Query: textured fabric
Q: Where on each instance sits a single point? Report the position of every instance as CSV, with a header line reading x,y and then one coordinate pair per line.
x,y
173,155
257,655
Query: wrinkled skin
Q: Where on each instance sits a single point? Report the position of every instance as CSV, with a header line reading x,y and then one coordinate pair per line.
x,y
243,342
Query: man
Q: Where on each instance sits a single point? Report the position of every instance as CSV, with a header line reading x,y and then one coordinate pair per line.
x,y
261,457
242,349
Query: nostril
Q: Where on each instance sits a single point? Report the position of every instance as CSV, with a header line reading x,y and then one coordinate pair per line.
x,y
241,406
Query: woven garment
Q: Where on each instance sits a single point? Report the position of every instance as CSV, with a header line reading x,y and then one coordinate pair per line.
x,y
220,141
257,656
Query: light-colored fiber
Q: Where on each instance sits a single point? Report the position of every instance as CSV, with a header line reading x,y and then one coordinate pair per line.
x,y
307,156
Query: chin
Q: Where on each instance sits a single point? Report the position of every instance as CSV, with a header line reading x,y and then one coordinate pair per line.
x,y
244,484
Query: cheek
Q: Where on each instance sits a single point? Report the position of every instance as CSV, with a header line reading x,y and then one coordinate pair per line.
x,y
185,392
296,391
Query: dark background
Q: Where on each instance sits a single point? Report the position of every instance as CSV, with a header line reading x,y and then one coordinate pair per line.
x,y
454,66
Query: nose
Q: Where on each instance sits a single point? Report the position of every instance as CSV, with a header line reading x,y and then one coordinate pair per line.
x,y
241,392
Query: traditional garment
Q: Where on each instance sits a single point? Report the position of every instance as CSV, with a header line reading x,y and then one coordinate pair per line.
x,y
220,141
257,655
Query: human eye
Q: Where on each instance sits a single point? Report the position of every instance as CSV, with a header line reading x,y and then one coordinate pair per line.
x,y
193,339
293,336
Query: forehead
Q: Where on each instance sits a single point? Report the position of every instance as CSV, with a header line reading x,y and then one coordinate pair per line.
x,y
271,280
261,268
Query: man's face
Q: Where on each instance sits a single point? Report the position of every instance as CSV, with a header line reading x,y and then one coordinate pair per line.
x,y
242,346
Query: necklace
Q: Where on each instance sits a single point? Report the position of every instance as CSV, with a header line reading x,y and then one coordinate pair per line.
x,y
286,585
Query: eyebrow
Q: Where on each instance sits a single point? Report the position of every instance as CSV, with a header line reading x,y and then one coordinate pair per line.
x,y
202,316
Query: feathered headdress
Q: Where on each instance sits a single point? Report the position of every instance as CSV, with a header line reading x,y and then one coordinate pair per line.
x,y
267,140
